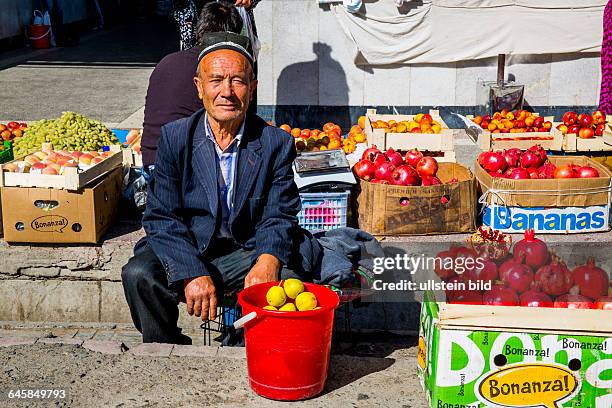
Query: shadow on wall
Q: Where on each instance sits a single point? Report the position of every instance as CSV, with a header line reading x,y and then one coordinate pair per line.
x,y
312,83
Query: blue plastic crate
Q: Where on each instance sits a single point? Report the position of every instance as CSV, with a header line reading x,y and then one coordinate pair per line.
x,y
323,211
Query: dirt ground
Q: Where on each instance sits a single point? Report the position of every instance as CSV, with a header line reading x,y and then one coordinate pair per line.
x,y
99,380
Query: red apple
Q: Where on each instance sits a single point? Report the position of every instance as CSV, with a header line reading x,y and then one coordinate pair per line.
x,y
599,130
585,121
573,129
538,122
562,128
586,133
12,125
599,117
570,118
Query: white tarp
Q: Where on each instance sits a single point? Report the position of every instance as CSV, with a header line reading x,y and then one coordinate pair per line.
x,y
440,31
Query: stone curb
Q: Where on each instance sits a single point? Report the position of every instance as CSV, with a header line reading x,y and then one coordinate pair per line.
x,y
105,347
152,349
180,350
142,349
16,341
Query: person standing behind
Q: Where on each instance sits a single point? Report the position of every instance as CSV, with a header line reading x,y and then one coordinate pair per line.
x,y
171,94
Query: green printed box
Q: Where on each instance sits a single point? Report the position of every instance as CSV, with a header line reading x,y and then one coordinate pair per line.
x,y
473,356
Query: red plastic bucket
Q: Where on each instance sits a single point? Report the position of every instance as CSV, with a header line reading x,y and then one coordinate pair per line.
x,y
288,352
40,36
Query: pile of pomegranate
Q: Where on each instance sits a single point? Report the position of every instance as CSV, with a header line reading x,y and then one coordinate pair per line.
x,y
531,164
391,167
529,276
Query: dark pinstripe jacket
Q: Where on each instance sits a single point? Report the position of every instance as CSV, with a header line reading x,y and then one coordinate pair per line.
x,y
183,197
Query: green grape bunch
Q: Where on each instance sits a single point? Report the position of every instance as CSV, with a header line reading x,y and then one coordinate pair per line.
x,y
71,131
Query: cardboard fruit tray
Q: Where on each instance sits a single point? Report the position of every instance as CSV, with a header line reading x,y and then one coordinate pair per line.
x,y
71,179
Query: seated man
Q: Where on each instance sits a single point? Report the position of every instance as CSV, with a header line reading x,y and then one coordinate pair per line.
x,y
222,204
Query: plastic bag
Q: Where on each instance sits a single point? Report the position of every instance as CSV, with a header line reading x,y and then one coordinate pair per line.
x,y
249,32
400,3
352,6
38,18
47,22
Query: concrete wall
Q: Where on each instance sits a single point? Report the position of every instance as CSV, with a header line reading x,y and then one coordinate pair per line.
x,y
306,59
16,15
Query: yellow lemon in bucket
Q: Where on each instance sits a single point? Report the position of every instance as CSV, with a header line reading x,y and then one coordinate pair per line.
x,y
270,307
293,287
288,307
276,296
306,301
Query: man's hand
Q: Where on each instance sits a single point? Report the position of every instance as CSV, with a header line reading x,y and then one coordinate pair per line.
x,y
243,3
201,297
266,269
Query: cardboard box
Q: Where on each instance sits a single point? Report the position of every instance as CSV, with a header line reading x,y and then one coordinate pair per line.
x,y
576,192
72,178
441,209
477,356
43,215
405,141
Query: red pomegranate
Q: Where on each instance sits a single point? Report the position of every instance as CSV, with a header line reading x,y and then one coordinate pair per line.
x,y
518,174
540,152
405,175
604,303
554,278
443,265
512,156
413,157
492,161
427,166
531,250
462,296
567,171
516,275
535,298
592,281
430,181
547,170
364,169
574,302
587,172
370,153
394,157
488,273
499,295
384,171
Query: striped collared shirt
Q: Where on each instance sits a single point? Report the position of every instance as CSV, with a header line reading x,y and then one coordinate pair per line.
x,y
227,160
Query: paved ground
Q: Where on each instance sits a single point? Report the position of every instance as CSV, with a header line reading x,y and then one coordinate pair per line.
x,y
105,77
125,374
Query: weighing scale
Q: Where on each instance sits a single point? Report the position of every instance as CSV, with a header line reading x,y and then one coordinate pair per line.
x,y
326,170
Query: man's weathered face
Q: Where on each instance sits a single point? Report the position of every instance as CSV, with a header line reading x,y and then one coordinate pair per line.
x,y
225,85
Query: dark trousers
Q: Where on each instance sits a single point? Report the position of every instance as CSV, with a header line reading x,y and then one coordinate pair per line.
x,y
154,304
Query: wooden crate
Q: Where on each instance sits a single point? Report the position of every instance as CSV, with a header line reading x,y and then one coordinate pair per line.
x,y
552,140
573,143
405,141
72,179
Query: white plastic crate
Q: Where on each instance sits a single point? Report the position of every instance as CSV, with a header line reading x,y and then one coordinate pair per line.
x,y
323,211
